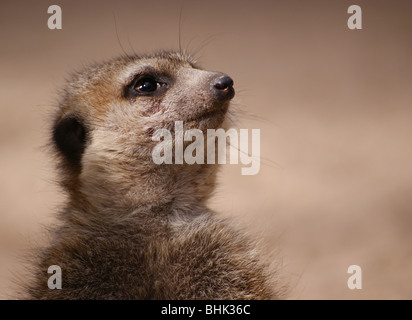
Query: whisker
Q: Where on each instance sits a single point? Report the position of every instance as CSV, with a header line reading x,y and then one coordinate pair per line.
x,y
117,35
207,41
263,160
130,45
187,49
180,27
239,111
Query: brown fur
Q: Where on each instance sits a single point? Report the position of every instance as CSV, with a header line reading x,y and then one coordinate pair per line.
x,y
133,229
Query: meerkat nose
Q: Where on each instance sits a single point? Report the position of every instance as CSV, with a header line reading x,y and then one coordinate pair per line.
x,y
223,86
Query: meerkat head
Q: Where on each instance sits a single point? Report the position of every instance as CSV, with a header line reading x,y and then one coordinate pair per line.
x,y
103,131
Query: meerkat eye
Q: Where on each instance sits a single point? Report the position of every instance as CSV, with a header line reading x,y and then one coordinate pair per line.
x,y
146,85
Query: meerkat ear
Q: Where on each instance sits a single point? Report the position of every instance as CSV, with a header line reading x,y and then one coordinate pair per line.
x,y
69,136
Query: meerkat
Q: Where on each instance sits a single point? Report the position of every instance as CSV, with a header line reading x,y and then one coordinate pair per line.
x,y
133,229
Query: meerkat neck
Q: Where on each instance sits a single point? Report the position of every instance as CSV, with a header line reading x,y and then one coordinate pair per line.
x,y
159,214
167,196
179,188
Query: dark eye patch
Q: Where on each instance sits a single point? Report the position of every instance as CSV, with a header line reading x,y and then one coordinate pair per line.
x,y
146,85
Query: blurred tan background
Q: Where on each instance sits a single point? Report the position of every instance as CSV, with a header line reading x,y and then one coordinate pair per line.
x,y
334,107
